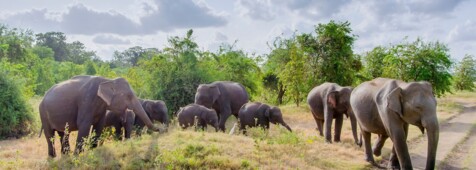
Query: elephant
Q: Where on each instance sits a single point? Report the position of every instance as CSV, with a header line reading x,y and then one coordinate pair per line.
x,y
330,101
186,116
156,110
263,113
225,97
118,121
81,102
386,107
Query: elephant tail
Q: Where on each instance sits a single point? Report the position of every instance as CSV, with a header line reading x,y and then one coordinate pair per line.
x,y
41,129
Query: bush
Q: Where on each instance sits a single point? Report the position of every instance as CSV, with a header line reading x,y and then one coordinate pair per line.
x,y
15,114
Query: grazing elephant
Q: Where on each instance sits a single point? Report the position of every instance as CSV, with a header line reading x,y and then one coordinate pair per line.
x,y
187,115
81,102
121,120
330,101
225,97
386,107
259,114
156,110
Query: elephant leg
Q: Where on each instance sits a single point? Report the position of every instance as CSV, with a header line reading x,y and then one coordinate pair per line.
x,y
368,150
224,116
97,128
338,127
319,123
128,131
50,140
377,148
398,135
64,142
83,133
118,132
393,160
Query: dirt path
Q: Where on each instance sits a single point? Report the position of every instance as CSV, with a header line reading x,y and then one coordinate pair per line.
x,y
452,133
463,156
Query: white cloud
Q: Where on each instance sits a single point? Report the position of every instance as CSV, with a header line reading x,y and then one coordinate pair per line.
x,y
109,39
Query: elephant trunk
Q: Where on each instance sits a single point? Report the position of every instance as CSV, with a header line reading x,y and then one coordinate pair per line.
x,y
140,112
353,123
286,126
432,129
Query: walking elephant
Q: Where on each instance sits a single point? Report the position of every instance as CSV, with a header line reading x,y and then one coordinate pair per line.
x,y
225,97
386,107
259,114
186,117
330,101
81,102
156,110
118,121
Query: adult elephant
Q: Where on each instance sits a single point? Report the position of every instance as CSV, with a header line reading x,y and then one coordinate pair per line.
x,y
225,97
156,110
81,102
260,114
386,107
119,121
330,101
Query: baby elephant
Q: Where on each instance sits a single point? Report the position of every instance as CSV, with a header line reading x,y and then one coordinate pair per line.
x,y
188,114
117,121
264,114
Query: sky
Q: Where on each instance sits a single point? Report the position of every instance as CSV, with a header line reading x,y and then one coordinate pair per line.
x,y
109,25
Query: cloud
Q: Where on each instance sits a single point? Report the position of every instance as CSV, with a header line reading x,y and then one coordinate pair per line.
x,y
110,39
257,9
464,33
175,14
220,37
316,9
163,16
433,7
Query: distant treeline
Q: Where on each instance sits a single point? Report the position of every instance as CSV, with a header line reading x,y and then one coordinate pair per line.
x,y
294,65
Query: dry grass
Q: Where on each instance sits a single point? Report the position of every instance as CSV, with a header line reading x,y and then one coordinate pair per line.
x,y
179,149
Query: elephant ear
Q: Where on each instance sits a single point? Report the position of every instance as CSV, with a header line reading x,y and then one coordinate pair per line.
x,y
264,109
389,97
106,91
216,93
332,98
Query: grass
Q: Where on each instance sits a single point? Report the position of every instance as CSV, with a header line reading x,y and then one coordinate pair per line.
x,y
188,149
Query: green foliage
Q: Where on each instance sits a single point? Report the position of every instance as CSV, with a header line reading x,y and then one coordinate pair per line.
x,y
15,114
176,73
465,74
293,76
331,54
14,43
43,52
66,70
234,65
412,61
131,56
90,68
46,75
56,41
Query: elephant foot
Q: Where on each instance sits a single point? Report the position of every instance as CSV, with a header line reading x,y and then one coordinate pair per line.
x,y
377,152
359,144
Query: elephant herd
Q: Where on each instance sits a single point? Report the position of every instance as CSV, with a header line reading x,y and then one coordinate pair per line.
x,y
382,106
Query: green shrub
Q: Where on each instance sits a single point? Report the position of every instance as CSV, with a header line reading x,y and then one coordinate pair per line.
x,y
15,114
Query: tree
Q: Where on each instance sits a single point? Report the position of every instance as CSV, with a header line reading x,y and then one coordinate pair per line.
x,y
176,72
374,62
57,42
78,54
417,61
235,65
16,117
331,53
90,68
14,44
277,60
293,75
43,52
465,74
131,56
